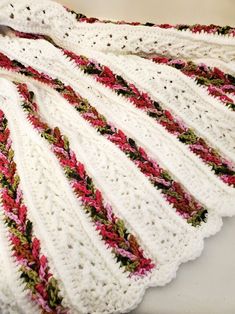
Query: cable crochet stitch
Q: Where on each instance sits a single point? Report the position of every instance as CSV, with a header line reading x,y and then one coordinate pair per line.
x,y
117,155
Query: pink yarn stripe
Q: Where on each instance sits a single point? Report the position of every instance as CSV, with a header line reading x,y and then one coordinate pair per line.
x,y
222,167
218,83
175,194
124,245
33,265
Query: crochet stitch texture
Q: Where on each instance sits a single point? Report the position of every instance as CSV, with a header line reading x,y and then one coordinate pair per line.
x,y
117,155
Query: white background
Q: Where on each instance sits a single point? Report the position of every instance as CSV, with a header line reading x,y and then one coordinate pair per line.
x,y
159,11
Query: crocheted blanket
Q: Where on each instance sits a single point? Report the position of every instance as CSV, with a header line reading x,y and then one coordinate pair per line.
x,y
117,155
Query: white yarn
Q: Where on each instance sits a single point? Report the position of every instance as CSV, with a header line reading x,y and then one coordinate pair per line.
x,y
212,120
57,23
36,174
89,277
43,184
200,182
130,193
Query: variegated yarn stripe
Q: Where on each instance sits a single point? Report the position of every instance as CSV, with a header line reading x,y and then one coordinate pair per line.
x,y
33,265
194,244
117,155
222,167
184,203
218,83
46,48
112,229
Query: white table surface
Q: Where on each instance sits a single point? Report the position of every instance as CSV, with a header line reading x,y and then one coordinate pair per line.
x,y
203,286
206,285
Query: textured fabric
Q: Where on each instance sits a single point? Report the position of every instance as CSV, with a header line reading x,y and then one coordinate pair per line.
x,y
117,155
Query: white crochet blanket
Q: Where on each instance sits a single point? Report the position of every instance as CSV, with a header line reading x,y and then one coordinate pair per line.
x,y
117,155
